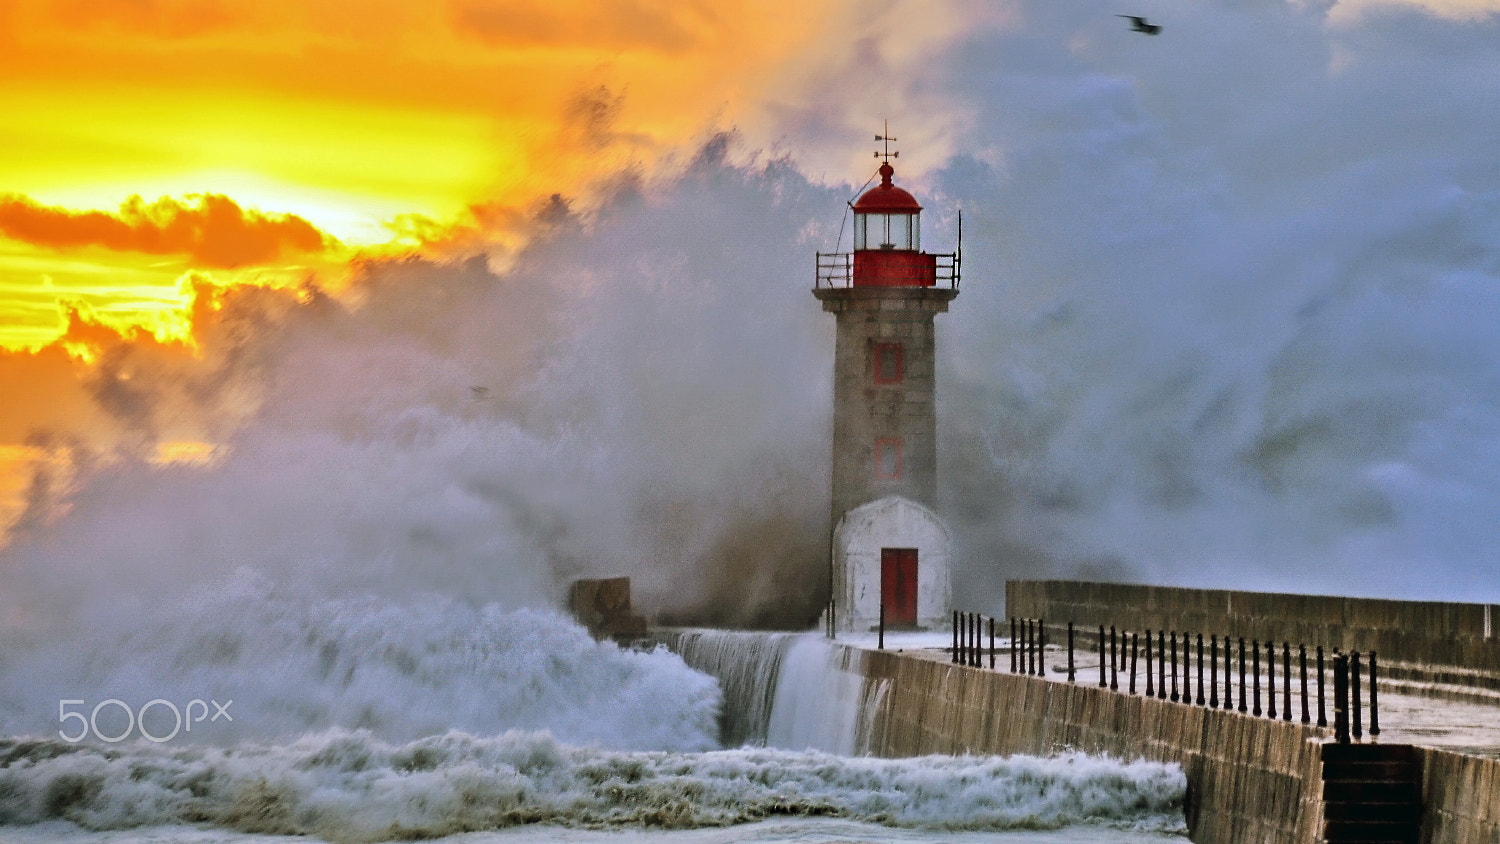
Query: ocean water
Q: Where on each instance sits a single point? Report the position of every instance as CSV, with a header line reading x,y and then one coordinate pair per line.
x,y
799,831
366,720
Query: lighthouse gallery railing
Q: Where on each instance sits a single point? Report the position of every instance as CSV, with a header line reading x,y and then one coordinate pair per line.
x,y
836,269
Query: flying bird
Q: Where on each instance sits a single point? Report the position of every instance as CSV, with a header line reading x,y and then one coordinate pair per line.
x,y
1139,24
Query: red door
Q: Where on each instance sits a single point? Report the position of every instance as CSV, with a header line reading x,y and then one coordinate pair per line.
x,y
898,586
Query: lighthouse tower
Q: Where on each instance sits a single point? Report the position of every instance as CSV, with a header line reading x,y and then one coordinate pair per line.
x,y
890,549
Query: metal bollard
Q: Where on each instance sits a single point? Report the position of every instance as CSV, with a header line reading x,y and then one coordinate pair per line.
x,y
975,654
1340,698
1161,665
1200,669
1070,652
1302,660
955,636
1041,647
968,638
1374,704
1359,732
976,623
1187,669
1012,644
1243,708
978,640
1134,657
1286,681
1103,683
1031,646
974,627
1322,715
1255,675
1114,661
992,644
1271,680
1174,666
1135,640
880,644
1026,648
1228,674
1150,687
1213,672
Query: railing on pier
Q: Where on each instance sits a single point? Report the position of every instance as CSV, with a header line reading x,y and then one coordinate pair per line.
x,y
1170,670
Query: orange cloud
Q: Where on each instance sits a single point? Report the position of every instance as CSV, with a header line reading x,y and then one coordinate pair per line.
x,y
211,229
650,24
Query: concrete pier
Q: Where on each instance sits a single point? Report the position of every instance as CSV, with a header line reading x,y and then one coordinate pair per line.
x,y
1250,780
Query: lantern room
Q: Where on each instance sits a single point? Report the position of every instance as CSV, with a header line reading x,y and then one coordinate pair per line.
x,y
888,238
887,217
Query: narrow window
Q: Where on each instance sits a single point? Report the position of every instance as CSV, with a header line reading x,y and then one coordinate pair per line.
x,y
890,363
888,459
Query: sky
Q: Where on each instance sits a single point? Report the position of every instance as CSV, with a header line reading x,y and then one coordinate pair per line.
x,y
1223,295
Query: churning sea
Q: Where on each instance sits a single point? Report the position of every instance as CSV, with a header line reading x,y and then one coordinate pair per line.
x,y
365,720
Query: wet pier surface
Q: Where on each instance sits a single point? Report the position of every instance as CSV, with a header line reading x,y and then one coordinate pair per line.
x,y
1409,712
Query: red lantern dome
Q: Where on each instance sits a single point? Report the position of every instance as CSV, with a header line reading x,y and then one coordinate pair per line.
x,y
886,198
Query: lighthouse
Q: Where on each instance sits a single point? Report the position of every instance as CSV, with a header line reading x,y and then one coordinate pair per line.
x,y
890,550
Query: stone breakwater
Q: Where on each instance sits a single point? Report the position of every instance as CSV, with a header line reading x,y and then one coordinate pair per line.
x,y
1249,779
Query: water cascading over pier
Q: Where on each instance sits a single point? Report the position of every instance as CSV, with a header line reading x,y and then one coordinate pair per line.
x,y
786,690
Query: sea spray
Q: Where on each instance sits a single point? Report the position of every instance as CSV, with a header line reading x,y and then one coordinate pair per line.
x,y
353,787
292,663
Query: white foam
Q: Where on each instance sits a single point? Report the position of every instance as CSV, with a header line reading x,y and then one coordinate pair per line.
x,y
351,787
294,664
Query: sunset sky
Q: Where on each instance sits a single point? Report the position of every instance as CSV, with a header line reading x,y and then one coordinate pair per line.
x,y
146,139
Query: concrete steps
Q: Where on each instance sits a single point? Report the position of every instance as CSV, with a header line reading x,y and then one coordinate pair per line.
x,y
1372,794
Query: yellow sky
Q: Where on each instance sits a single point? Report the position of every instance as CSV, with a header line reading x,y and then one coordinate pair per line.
x,y
346,115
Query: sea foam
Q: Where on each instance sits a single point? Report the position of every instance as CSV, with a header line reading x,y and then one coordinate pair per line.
x,y
353,787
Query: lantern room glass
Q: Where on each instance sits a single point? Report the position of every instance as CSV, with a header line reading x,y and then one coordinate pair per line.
x,y
887,231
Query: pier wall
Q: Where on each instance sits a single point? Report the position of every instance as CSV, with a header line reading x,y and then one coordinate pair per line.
x,y
1251,780
1460,798
1429,632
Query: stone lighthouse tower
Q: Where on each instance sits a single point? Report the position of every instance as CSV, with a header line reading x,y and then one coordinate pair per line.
x,y
890,549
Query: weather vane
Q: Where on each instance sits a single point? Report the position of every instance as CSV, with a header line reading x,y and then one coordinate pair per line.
x,y
886,139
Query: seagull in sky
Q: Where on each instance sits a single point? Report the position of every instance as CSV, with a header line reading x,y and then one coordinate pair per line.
x,y
1139,24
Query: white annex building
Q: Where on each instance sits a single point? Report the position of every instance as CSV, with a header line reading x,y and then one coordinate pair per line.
x,y
897,550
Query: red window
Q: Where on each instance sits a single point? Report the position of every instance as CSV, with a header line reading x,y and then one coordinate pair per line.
x,y
890,364
888,459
